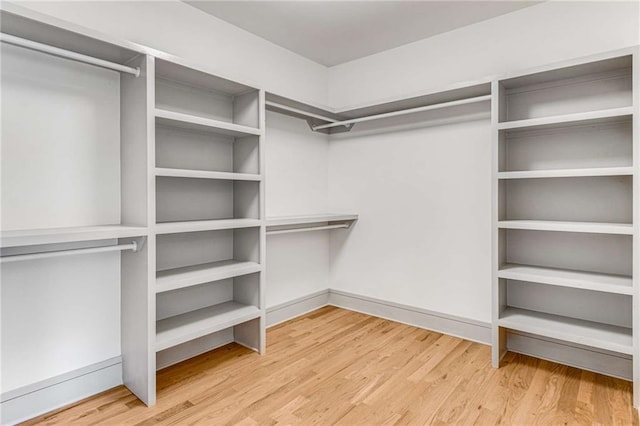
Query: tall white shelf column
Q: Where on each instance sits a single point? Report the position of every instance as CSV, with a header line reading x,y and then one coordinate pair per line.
x,y
565,214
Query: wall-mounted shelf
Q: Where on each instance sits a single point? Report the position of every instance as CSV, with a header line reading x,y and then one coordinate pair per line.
x,y
593,171
608,283
305,223
573,330
591,117
560,226
191,325
203,174
205,225
193,122
311,218
173,279
31,237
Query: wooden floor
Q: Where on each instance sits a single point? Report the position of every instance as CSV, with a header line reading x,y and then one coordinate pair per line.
x,y
334,366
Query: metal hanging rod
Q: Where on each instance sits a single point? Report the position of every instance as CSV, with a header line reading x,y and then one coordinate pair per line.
x,y
301,112
404,112
31,256
56,51
313,228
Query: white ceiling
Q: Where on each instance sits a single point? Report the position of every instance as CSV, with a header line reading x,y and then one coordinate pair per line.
x,y
333,32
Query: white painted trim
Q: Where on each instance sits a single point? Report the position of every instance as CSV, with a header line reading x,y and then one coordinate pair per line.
x,y
294,308
29,401
476,331
574,355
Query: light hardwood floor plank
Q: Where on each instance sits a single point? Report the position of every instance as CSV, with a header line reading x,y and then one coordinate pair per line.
x,y
334,366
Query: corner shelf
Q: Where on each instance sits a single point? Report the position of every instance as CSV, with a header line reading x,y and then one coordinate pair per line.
x,y
191,325
591,117
205,225
173,279
188,121
30,237
560,226
609,283
588,172
589,333
203,174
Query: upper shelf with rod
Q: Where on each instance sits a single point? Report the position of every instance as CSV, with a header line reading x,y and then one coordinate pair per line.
x,y
24,28
323,120
311,222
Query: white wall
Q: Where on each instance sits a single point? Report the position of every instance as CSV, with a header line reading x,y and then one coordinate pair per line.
x,y
545,33
423,194
177,28
297,183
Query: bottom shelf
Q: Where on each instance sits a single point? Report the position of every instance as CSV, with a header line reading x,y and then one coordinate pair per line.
x,y
191,325
589,333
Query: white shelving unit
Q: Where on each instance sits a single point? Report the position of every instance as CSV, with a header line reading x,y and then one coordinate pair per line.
x,y
114,81
209,228
565,239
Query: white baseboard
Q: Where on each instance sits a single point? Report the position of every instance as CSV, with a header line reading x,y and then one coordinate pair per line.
x,y
296,307
29,401
476,331
584,357
460,327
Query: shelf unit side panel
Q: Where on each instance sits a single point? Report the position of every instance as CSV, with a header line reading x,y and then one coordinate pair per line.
x,y
138,268
636,224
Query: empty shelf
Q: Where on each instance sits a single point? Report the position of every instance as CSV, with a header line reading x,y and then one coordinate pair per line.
x,y
187,121
30,237
594,117
205,225
310,218
587,227
191,325
203,174
609,283
596,171
173,279
589,333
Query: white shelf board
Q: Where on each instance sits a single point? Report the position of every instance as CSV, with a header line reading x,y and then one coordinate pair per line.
x,y
594,171
205,225
609,283
191,325
598,335
583,117
187,121
173,279
310,218
30,237
203,174
586,227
